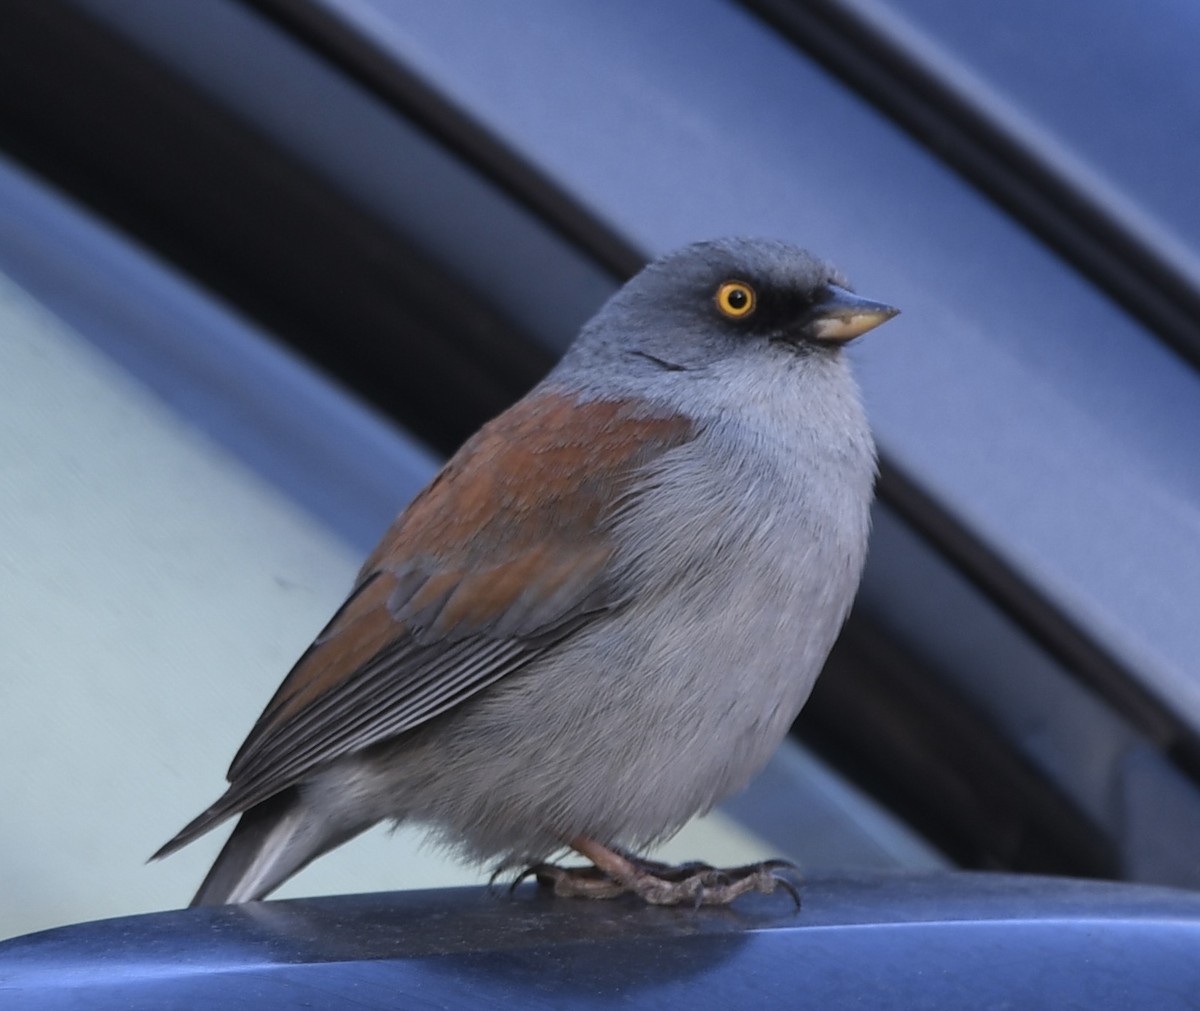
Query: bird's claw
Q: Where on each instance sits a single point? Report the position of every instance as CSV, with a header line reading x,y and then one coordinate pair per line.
x,y
659,884
576,882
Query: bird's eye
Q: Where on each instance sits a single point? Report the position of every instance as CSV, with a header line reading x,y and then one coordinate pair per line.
x,y
735,299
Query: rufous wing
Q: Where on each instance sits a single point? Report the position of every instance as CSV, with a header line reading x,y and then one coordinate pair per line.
x,y
502,555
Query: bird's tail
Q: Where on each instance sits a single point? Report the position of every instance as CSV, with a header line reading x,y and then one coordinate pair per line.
x,y
271,842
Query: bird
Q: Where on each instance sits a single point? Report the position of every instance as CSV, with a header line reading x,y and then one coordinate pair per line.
x,y
603,614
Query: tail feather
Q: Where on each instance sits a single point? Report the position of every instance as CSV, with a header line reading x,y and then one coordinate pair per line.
x,y
194,829
271,842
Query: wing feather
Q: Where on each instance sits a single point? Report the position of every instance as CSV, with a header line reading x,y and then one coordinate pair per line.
x,y
506,552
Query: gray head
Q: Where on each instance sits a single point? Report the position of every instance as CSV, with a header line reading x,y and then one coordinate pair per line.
x,y
724,300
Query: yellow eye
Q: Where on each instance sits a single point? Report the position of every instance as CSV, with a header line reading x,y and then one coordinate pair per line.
x,y
735,299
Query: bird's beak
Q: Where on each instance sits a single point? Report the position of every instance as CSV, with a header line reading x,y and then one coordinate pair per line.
x,y
841,316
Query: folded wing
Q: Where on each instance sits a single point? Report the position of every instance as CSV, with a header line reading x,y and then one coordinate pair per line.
x,y
503,555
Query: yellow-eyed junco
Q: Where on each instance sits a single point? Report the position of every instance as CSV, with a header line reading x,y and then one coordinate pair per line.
x,y
603,614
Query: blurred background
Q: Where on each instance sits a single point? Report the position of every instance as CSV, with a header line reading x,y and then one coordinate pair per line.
x,y
263,263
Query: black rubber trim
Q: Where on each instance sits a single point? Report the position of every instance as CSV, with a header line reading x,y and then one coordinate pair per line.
x,y
1055,207
1031,610
361,60
941,765
99,118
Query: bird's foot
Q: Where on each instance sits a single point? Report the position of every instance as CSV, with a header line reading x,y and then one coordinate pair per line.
x,y
614,873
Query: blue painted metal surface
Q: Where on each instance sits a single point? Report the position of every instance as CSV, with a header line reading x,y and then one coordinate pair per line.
x,y
947,941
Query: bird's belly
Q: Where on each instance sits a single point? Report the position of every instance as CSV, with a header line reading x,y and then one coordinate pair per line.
x,y
705,691
639,722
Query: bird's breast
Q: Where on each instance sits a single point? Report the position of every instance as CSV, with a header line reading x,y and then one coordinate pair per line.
x,y
741,554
